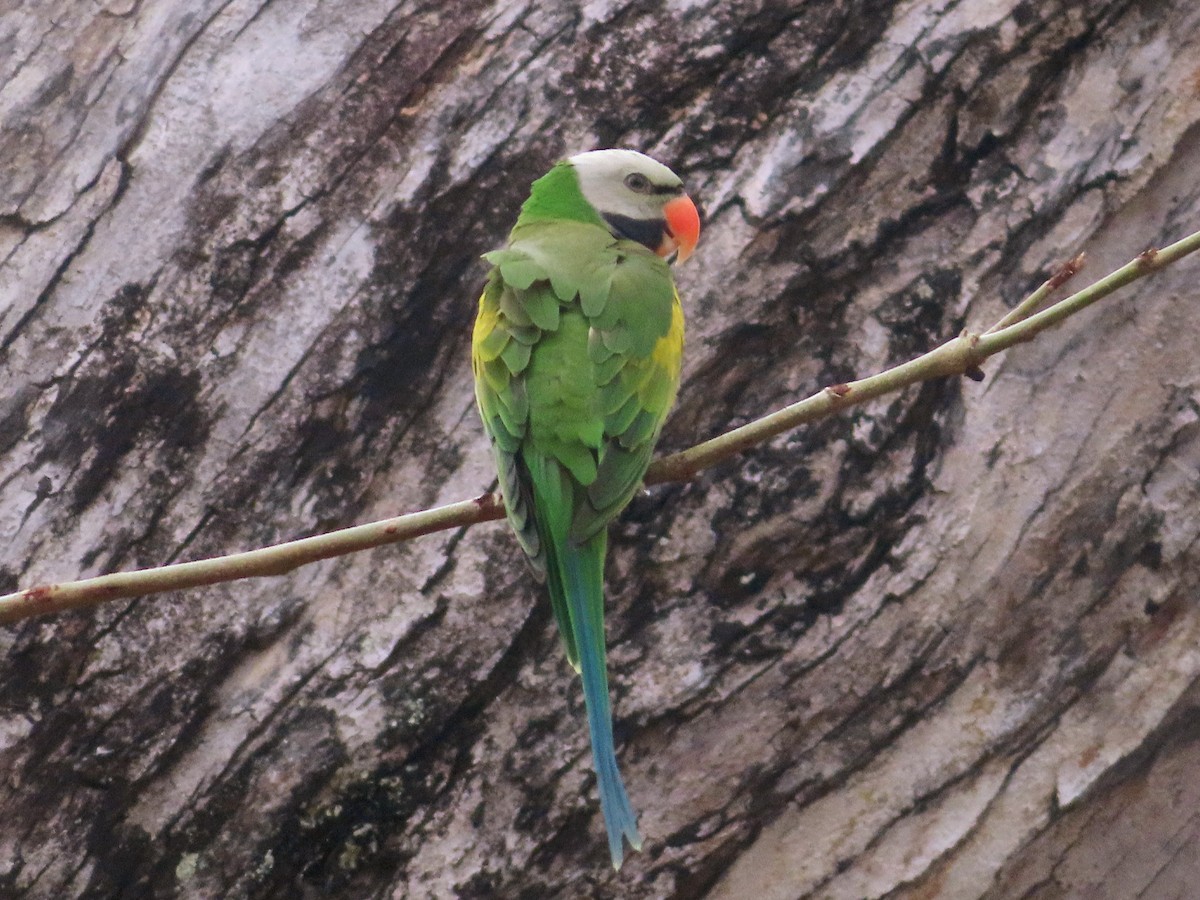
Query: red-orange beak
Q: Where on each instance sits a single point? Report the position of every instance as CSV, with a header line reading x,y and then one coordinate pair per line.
x,y
683,228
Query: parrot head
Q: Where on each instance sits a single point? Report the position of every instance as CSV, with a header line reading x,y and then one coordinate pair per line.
x,y
639,199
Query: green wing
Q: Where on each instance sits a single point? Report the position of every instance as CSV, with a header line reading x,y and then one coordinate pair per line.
x,y
500,351
635,345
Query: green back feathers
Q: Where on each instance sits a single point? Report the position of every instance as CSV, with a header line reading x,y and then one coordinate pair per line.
x,y
576,353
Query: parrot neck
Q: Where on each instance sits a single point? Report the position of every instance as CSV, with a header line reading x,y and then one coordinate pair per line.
x,y
556,196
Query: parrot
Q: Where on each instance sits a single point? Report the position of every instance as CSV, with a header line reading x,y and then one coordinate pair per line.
x,y
576,353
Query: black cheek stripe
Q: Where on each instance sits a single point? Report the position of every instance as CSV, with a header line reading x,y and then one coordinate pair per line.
x,y
647,232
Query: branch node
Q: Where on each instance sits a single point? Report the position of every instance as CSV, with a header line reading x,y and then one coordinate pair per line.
x,y
1147,258
970,355
1068,271
838,391
39,593
489,503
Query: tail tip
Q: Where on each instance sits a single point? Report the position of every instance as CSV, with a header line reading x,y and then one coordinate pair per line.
x,y
616,844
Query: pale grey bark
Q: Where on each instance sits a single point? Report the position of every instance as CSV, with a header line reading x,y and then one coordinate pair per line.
x,y
947,645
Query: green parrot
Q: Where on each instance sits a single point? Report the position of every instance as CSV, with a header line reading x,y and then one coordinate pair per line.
x,y
576,352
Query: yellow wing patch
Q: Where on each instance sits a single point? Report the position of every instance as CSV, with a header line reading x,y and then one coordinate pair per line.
x,y
668,352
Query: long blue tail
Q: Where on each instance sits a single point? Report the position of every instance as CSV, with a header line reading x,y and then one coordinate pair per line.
x,y
583,576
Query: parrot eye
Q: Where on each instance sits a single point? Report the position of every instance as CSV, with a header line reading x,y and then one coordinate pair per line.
x,y
638,183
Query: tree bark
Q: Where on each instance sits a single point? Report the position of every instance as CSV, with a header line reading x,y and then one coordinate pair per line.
x,y
945,645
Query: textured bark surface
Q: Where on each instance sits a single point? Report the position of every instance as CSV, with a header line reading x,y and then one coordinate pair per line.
x,y
947,645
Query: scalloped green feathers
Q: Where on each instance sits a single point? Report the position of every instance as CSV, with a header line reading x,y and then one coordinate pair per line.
x,y
576,352
581,361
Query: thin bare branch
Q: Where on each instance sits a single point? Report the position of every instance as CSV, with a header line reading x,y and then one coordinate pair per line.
x,y
277,560
959,356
